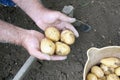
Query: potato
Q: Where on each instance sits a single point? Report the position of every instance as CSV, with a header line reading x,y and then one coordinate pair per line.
x,y
91,76
47,46
107,70
117,71
52,33
97,71
111,62
62,49
102,78
112,77
67,37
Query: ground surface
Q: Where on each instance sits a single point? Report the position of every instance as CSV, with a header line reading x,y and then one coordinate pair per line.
x,y
102,15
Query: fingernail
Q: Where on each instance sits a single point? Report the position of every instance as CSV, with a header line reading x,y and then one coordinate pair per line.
x,y
73,20
77,35
48,58
63,58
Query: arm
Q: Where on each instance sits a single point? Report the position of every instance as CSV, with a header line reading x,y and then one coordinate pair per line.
x,y
29,39
11,34
30,7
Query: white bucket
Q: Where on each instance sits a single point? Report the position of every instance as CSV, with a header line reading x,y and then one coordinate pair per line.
x,y
96,54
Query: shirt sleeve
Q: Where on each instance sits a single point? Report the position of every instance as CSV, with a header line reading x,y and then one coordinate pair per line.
x,y
7,2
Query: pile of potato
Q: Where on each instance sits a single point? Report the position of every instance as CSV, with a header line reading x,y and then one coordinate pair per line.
x,y
109,69
56,42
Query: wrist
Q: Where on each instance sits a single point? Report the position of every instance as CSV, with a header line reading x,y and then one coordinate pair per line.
x,y
11,34
23,34
25,37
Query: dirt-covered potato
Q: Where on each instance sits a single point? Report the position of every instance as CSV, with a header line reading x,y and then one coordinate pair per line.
x,y
67,37
117,71
62,49
112,77
97,71
52,33
111,62
47,46
107,70
91,76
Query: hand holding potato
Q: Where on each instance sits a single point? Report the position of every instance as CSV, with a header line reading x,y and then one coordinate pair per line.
x,y
56,42
31,43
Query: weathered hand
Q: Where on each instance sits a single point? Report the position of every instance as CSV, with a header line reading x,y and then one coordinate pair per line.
x,y
32,41
55,18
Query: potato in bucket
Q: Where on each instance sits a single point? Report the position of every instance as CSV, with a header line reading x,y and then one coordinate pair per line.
x,y
95,55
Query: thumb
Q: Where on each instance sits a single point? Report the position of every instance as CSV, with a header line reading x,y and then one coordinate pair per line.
x,y
65,18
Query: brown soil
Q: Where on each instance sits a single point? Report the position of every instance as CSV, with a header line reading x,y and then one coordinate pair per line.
x,y
102,15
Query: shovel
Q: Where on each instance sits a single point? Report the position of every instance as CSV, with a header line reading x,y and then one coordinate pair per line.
x,y
84,27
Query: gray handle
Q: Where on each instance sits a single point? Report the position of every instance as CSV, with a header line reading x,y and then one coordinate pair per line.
x,y
24,69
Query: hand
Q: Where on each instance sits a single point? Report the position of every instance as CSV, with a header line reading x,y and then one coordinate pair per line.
x,y
31,43
48,18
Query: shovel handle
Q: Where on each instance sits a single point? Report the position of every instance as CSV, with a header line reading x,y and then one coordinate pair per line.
x,y
25,68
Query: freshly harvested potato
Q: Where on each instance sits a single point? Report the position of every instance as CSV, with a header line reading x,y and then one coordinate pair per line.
x,y
102,78
117,71
112,77
91,76
62,49
107,70
97,71
47,46
52,33
67,37
111,62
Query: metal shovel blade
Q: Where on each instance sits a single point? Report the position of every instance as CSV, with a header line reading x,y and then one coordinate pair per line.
x,y
83,26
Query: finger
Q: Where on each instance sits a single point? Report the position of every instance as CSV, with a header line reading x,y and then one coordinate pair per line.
x,y
72,28
58,57
65,18
40,55
65,25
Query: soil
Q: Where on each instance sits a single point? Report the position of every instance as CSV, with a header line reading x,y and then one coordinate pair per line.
x,y
102,15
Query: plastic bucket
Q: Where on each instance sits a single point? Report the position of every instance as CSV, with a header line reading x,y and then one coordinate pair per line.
x,y
96,54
